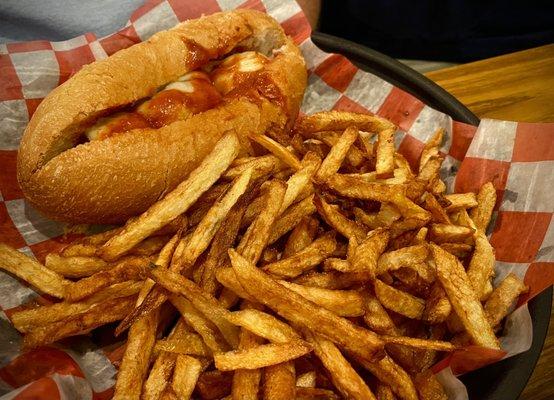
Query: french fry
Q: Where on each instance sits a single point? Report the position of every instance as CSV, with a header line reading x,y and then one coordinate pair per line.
x,y
31,271
333,217
332,163
404,257
214,385
377,318
330,279
337,264
228,278
132,268
159,376
384,392
289,219
176,202
398,301
384,153
313,393
346,303
263,325
186,343
502,298
185,375
357,188
27,320
481,266
298,310
307,380
339,121
464,301
486,199
301,236
368,252
278,150
438,214
354,156
460,250
425,344
261,356
134,365
344,377
305,259
428,387
442,233
300,179
461,200
280,381
147,247
437,306
431,169
75,266
431,148
261,166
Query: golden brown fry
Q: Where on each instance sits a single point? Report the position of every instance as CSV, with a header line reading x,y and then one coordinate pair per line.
x,y
502,298
280,381
428,387
332,163
263,325
357,188
431,170
377,318
486,199
80,249
442,233
339,121
464,301
425,344
431,148
398,301
278,150
298,310
301,236
185,375
228,278
134,365
404,257
176,202
300,179
461,200
132,268
355,157
384,153
481,266
346,303
187,343
437,306
333,217
438,214
261,166
76,266
261,356
344,377
330,279
368,252
305,259
159,376
337,264
420,236
460,250
384,392
31,271
307,379
289,219
214,385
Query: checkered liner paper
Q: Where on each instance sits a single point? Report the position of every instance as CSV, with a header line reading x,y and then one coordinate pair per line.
x,y
516,157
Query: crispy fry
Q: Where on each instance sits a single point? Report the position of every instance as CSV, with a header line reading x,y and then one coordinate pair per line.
x,y
431,148
305,259
431,170
354,156
278,150
399,301
481,266
384,392
301,311
186,373
339,121
31,271
213,385
176,202
438,214
75,266
261,166
502,298
332,163
330,279
333,216
404,257
376,317
460,250
346,303
420,236
289,219
263,325
461,200
428,387
301,236
337,264
486,199
426,344
134,365
300,179
357,188
437,306
442,233
228,278
307,379
384,153
344,377
464,301
159,376
187,343
261,356
280,381
368,252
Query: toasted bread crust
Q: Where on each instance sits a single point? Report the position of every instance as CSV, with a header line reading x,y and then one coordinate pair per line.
x,y
110,180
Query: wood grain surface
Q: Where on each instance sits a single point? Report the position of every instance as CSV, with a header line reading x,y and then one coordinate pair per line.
x,y
517,87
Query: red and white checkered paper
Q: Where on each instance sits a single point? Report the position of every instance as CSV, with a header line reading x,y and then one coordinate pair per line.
x,y
516,157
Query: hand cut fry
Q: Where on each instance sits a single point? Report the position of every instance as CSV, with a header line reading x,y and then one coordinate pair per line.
x,y
261,356
339,121
186,373
280,381
357,188
404,257
481,266
377,318
431,148
263,325
214,385
301,236
344,377
307,379
337,264
289,219
438,214
333,216
460,250
178,201
31,271
332,163
228,278
278,150
442,233
301,311
346,303
431,169
261,166
464,301
300,179
486,199
188,343
75,266
426,344
461,200
384,164
384,392
428,387
437,306
134,365
398,301
502,298
305,259
159,377
355,157
330,279
368,251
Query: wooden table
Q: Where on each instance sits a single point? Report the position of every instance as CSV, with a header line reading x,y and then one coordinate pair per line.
x,y
517,87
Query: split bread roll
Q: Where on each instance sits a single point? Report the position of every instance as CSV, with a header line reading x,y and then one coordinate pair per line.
x,y
124,131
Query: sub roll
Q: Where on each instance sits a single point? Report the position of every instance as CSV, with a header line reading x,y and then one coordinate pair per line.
x,y
124,131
